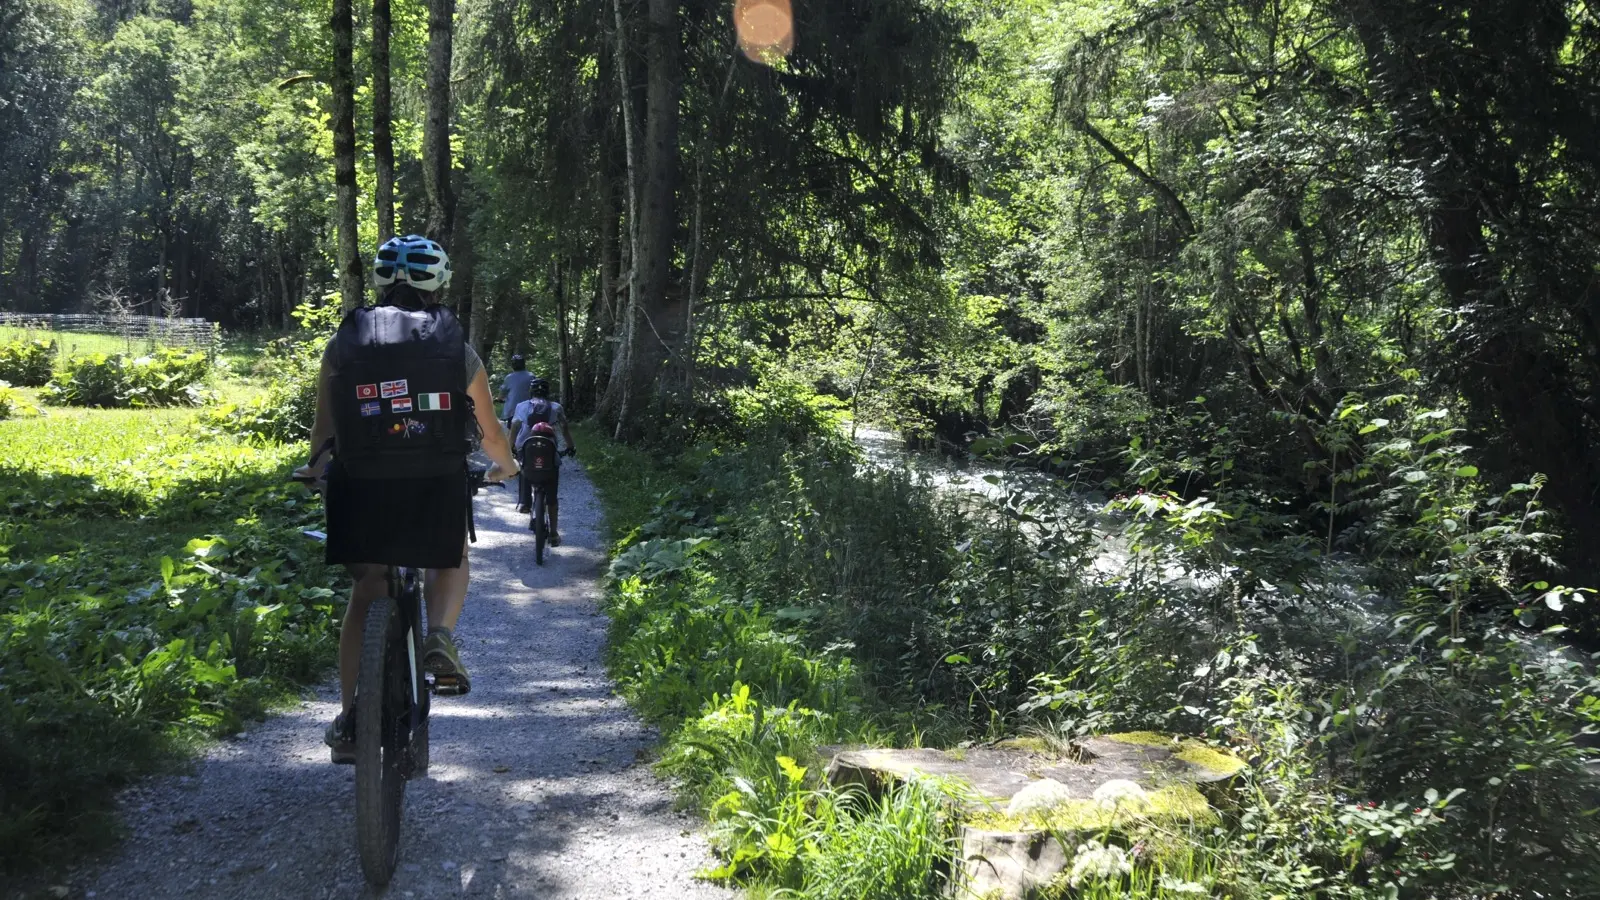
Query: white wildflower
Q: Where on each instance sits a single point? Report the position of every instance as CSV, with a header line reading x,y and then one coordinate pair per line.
x,y
1121,792
1098,862
1039,797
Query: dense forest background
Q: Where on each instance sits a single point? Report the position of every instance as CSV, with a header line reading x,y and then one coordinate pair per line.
x,y
1299,300
1072,221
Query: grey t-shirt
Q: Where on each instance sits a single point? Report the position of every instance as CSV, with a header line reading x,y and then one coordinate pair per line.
x,y
515,390
525,416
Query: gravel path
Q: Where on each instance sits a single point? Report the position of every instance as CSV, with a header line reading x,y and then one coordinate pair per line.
x,y
536,787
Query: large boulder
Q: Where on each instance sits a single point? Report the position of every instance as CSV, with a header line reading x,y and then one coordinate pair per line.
x,y
1025,807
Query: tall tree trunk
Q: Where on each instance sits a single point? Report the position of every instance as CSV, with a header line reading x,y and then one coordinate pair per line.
x,y
564,369
653,329
436,126
382,128
287,297
660,343
480,325
464,259
614,404
1513,377
344,154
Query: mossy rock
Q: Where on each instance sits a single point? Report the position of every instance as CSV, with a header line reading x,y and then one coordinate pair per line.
x,y
1171,784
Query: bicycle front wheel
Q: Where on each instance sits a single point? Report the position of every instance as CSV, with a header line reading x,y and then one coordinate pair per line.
x,y
381,709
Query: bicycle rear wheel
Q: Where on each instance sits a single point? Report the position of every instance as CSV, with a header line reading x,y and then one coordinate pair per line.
x,y
381,708
541,525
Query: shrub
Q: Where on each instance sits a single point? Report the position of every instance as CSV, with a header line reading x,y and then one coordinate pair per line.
x,y
9,401
27,363
167,377
285,413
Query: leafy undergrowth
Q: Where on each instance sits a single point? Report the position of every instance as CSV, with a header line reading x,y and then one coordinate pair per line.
x,y
154,588
164,377
779,597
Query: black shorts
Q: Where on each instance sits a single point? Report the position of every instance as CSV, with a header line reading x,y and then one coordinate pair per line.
x,y
418,522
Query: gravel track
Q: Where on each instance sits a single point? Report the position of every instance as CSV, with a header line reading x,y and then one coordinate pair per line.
x,y
538,785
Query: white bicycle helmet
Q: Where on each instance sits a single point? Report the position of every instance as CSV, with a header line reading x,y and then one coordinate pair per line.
x,y
414,259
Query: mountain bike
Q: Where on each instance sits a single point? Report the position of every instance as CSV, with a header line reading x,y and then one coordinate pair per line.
x,y
393,695
540,466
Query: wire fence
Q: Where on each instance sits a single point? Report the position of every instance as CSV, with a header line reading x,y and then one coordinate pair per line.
x,y
170,332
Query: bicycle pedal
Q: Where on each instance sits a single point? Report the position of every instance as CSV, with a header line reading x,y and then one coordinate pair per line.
x,y
450,685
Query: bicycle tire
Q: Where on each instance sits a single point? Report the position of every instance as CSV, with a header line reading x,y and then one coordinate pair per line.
x,y
381,690
541,525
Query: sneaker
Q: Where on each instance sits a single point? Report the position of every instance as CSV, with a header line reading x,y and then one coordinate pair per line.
x,y
341,739
555,538
439,656
523,508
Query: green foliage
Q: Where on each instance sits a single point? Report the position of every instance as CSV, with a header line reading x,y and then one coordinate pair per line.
x,y
778,598
167,377
783,409
891,848
10,401
27,363
290,366
153,587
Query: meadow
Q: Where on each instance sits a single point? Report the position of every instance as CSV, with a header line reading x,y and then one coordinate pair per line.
x,y
154,592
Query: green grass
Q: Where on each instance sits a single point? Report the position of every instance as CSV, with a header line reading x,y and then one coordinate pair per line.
x,y
236,376
629,480
154,590
77,343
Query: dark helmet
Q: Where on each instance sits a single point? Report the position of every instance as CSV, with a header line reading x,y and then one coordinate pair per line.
x,y
518,363
539,388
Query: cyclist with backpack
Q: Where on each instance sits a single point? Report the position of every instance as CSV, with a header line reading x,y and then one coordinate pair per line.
x,y
400,396
532,427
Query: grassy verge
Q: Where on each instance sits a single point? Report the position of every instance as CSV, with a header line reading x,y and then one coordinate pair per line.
x,y
630,481
153,589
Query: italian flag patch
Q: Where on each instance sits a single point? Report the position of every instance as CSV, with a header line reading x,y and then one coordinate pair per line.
x,y
432,402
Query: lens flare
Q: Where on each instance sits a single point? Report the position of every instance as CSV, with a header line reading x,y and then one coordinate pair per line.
x,y
765,27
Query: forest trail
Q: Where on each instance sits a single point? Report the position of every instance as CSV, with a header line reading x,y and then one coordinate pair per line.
x,y
538,785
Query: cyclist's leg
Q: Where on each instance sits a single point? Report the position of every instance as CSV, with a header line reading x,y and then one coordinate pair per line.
x,y
371,582
551,492
445,591
524,486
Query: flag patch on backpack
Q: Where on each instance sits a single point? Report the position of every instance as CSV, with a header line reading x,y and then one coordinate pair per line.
x,y
395,388
401,405
366,392
371,408
433,402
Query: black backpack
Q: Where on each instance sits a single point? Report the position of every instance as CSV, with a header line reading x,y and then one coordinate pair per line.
x,y
400,406
539,460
